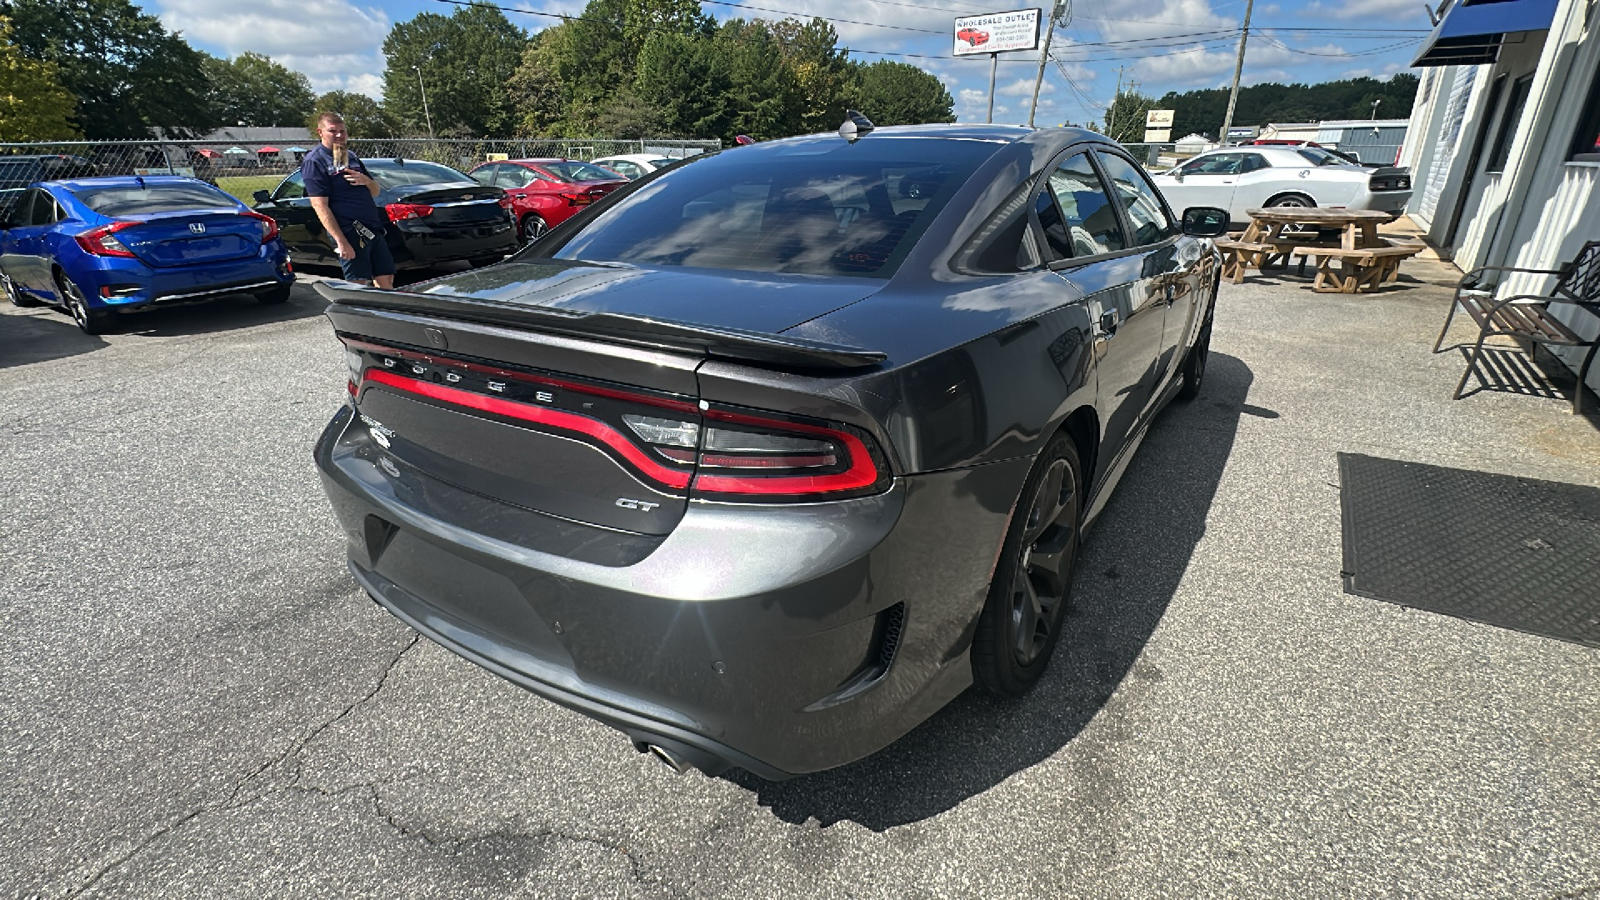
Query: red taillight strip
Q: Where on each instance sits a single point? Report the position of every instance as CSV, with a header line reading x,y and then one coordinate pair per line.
x,y
678,405
540,415
861,474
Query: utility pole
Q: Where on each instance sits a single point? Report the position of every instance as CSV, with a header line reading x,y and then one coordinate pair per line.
x,y
1111,112
994,64
1038,78
424,89
1238,69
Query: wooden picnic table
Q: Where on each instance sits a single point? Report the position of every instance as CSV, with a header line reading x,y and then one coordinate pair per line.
x,y
1362,259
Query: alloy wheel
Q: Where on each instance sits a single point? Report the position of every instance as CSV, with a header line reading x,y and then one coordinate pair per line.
x,y
1049,544
533,228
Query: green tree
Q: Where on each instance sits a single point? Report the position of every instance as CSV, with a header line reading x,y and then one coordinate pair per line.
x,y
33,104
1260,104
128,72
894,93
822,72
1125,117
362,115
251,89
763,95
678,75
463,63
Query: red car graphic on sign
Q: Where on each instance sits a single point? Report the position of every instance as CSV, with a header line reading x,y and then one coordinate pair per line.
x,y
973,36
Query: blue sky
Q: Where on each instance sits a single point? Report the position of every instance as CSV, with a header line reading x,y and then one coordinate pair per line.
x,y
1161,45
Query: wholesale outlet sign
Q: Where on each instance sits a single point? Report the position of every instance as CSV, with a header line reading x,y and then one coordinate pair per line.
x,y
997,32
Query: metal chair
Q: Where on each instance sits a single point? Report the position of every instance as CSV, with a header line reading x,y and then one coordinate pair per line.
x,y
1527,316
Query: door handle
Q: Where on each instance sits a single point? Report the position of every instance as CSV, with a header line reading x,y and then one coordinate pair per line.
x,y
1109,321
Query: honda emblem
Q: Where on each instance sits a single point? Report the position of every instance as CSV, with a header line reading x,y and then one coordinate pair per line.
x,y
197,227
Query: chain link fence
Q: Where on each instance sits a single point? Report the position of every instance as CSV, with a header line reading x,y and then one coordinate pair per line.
x,y
242,169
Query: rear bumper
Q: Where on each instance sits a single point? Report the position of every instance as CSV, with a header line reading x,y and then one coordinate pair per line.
x,y
1384,201
134,286
782,639
420,246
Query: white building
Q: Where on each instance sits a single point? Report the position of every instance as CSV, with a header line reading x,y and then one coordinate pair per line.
x,y
1504,143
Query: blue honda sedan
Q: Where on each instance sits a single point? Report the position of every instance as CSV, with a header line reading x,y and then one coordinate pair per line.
x,y
99,247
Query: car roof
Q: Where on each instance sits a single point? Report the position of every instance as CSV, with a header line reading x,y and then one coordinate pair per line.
x,y
632,157
1278,155
76,184
538,160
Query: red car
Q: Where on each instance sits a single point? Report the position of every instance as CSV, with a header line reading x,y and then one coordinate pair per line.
x,y
973,36
546,192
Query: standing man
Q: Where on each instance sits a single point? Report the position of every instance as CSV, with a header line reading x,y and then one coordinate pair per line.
x,y
341,192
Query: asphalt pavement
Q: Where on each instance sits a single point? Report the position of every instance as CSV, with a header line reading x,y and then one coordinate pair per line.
x,y
197,701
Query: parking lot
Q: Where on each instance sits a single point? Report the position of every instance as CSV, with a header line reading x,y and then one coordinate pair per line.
x,y
196,700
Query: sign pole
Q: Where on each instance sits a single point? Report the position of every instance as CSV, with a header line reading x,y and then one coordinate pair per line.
x,y
1038,78
994,63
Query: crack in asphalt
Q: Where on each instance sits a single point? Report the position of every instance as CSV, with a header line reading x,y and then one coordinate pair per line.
x,y
233,802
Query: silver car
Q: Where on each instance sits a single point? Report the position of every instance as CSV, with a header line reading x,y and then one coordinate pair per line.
x,y
1243,178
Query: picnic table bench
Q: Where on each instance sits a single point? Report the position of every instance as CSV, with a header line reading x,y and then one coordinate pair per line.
x,y
1361,259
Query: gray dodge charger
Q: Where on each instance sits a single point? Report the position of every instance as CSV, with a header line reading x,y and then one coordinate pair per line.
x,y
770,454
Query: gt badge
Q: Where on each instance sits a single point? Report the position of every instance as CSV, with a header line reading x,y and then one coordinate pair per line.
x,y
639,505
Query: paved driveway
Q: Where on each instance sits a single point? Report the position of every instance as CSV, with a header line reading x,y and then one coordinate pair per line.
x,y
195,700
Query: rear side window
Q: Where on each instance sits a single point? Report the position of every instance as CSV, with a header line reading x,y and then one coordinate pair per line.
x,y
811,208
1255,162
1076,213
513,177
291,189
154,198
1139,199
1318,157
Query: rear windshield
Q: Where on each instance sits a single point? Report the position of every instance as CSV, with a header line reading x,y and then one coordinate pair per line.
x,y
1320,157
132,200
810,208
390,174
578,171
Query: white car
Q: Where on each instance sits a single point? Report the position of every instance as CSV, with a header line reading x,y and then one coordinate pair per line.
x,y
633,165
1251,177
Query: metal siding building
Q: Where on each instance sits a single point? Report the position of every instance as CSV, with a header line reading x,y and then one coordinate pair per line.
x,y
1504,144
1371,140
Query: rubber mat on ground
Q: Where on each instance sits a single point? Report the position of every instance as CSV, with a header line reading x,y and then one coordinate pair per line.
x,y
1514,552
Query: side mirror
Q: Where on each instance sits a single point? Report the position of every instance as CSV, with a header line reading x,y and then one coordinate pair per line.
x,y
1205,221
1177,174
262,197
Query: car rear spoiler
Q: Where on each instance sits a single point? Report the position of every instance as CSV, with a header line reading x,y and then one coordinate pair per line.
x,y
721,343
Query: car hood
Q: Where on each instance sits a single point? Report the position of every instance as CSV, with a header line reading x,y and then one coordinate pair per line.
x,y
744,301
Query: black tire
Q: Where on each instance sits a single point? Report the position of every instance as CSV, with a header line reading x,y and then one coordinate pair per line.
x,y
90,321
15,296
275,296
1022,618
1194,364
533,227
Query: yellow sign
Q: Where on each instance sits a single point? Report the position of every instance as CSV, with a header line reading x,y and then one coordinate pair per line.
x,y
1158,118
496,157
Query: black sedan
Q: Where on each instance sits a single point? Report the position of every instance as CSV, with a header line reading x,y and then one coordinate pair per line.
x,y
769,455
436,215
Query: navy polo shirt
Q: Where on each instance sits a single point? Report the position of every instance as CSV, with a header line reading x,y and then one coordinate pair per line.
x,y
348,202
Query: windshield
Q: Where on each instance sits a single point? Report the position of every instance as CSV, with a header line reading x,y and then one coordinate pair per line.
x,y
578,171
394,174
132,200
810,208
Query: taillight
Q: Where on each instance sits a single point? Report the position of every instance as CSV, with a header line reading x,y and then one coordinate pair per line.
x,y
102,241
269,225
707,451
574,198
504,201
401,211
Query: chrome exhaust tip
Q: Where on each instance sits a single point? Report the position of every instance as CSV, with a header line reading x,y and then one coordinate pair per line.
x,y
671,760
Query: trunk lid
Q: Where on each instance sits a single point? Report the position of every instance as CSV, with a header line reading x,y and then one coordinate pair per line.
x,y
456,203
190,237
552,388
742,301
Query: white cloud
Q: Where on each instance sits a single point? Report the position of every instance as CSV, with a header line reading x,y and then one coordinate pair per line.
x,y
1023,87
1407,12
555,8
277,27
